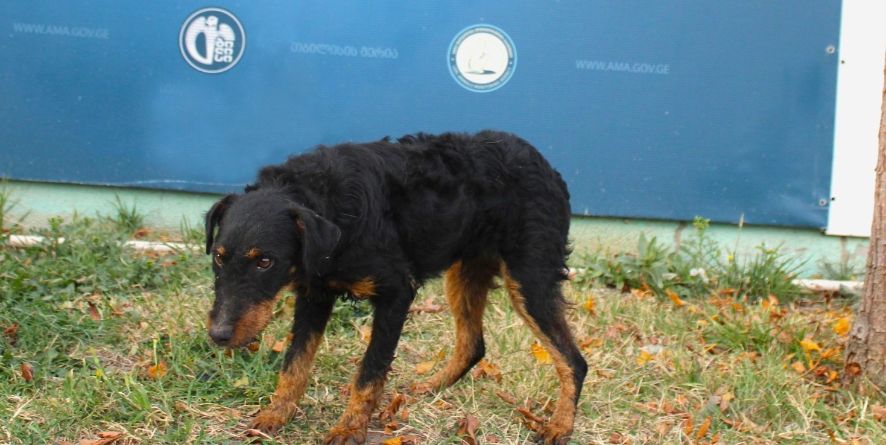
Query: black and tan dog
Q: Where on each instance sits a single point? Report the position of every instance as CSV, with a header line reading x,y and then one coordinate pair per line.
x,y
374,221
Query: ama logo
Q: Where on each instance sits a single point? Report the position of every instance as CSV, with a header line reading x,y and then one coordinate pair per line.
x,y
212,40
482,58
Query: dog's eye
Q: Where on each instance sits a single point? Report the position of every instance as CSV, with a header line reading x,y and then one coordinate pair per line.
x,y
264,263
218,259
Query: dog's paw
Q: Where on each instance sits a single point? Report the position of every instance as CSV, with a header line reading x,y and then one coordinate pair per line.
x,y
553,434
268,421
345,436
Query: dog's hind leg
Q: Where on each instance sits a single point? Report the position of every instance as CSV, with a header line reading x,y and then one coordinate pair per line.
x,y
466,285
537,298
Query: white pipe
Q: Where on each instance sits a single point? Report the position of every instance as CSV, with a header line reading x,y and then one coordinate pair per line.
x,y
137,245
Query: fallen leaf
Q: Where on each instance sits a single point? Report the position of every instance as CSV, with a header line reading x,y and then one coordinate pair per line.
x,y
257,433
485,368
12,333
853,369
589,305
532,421
467,429
27,372
428,306
703,428
157,371
644,358
808,345
879,412
798,367
842,326
106,438
94,314
390,411
588,343
365,333
393,441
675,298
506,396
541,354
688,426
279,345
618,438
639,293
424,367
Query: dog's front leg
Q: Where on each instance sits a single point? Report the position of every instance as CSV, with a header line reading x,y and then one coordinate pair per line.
x,y
311,315
368,384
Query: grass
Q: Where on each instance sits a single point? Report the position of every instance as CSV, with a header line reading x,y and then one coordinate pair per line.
x,y
721,362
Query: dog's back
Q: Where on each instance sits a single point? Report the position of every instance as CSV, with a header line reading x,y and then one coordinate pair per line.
x,y
448,196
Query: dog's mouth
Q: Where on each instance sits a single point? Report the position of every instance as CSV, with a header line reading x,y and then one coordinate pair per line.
x,y
246,329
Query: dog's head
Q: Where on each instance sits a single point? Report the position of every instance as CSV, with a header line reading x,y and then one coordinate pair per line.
x,y
264,243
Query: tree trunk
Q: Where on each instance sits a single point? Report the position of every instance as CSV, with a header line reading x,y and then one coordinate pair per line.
x,y
866,349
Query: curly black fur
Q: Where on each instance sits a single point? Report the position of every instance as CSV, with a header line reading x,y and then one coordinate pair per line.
x,y
393,214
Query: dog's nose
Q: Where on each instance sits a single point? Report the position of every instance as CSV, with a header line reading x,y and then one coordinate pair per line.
x,y
221,334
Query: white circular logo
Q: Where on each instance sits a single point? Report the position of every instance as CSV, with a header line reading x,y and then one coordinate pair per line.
x,y
212,40
482,58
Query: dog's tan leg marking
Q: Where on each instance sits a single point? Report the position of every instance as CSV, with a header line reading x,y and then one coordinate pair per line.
x,y
558,430
467,301
291,387
351,427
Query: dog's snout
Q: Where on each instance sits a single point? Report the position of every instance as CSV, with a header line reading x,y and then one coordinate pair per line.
x,y
221,334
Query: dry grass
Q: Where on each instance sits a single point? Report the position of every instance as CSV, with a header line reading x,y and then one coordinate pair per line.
x,y
711,370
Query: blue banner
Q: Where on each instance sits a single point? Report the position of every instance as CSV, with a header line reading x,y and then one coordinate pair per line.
x,y
653,109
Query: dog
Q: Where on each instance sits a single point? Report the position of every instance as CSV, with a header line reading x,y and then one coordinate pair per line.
x,y
374,221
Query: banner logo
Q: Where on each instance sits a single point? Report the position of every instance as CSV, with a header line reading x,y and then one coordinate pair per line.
x,y
482,58
212,40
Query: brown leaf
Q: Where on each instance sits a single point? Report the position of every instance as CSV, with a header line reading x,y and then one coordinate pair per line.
x,y
688,426
428,306
487,369
365,333
853,369
506,396
703,428
106,438
12,333
675,298
279,345
157,371
94,314
424,367
879,412
532,421
388,414
27,371
619,438
467,429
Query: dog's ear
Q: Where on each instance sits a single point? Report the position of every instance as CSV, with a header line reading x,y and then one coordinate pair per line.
x,y
319,237
214,216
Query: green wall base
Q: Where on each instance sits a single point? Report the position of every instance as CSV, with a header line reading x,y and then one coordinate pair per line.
x,y
36,202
